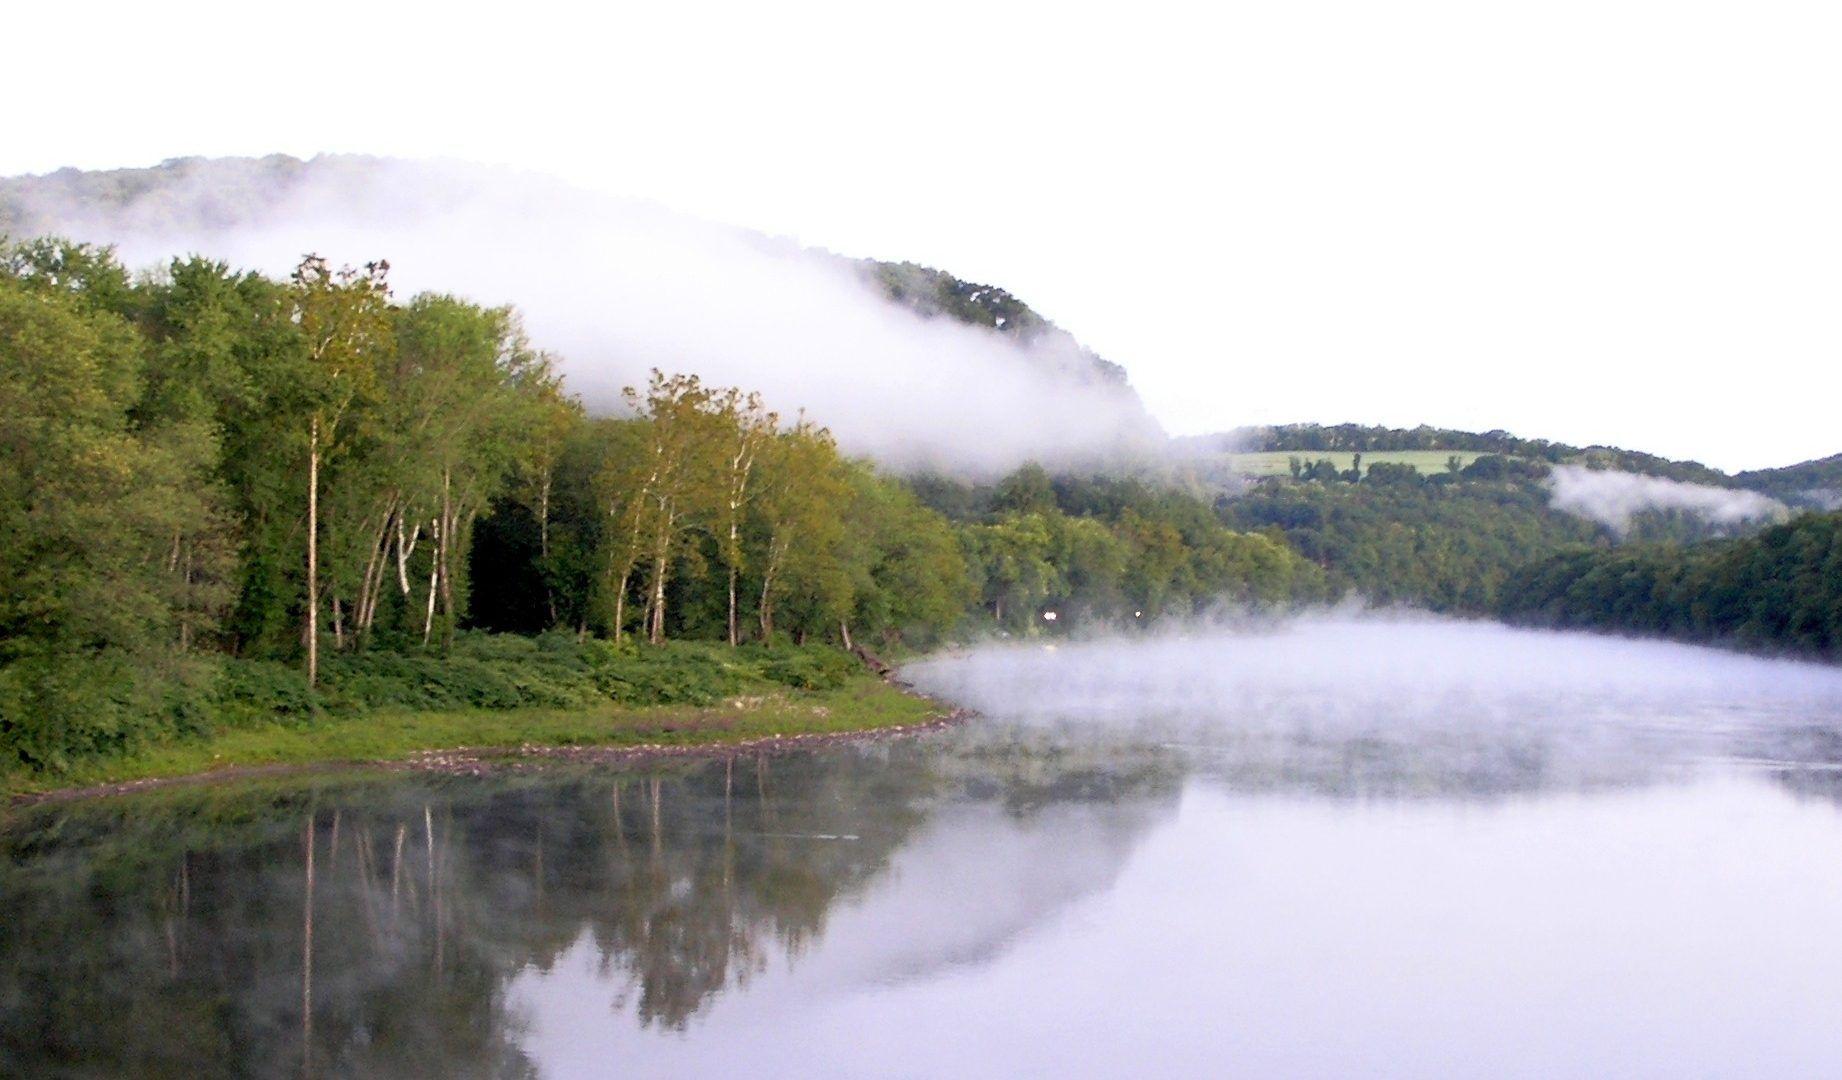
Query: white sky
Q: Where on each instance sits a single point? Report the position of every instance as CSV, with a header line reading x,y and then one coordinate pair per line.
x,y
1602,221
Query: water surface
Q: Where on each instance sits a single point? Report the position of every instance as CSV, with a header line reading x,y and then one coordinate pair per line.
x,y
1329,847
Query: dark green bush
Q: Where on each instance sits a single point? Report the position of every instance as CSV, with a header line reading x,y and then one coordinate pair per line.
x,y
254,691
690,674
55,711
805,668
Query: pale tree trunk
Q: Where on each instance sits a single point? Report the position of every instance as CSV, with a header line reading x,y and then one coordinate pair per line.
x,y
661,565
543,543
428,617
740,468
656,632
631,556
735,634
844,632
376,569
777,546
445,555
404,551
766,615
620,606
313,553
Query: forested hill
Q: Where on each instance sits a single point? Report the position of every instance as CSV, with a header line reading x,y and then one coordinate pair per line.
x,y
1369,439
937,293
1816,483
1778,590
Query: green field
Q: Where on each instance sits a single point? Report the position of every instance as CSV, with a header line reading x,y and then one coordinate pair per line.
x,y
1278,462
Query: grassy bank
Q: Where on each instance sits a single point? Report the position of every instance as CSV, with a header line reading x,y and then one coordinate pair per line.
x,y
498,694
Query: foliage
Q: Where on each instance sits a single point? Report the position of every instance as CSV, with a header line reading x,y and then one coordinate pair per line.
x,y
1108,551
1780,589
59,711
212,476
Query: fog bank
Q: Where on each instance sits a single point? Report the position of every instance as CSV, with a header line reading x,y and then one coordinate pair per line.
x,y
1347,677
617,287
1615,498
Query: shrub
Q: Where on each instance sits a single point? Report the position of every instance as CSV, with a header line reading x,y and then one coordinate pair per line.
x,y
55,711
808,668
254,691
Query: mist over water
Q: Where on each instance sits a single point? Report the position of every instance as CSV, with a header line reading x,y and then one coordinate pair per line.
x,y
1377,670
1389,703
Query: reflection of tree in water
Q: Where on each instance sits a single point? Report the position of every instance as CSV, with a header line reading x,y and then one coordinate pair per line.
x,y
168,934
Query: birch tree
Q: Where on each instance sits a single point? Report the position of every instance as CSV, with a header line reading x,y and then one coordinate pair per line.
x,y
678,484
746,428
800,503
344,318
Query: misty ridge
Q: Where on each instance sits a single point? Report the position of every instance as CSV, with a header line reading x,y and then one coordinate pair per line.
x,y
615,287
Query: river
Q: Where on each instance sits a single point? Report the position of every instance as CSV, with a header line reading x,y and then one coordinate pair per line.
x,y
1329,846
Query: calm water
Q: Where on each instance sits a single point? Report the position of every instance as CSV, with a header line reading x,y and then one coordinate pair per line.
x,y
1331,848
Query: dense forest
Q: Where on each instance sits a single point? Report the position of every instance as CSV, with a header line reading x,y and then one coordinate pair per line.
x,y
1447,541
1778,590
1484,539
225,492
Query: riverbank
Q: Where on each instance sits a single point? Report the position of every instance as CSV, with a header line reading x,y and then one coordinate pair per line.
x,y
475,741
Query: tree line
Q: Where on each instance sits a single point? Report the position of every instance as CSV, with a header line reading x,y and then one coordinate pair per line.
x,y
1345,438
1777,590
207,466
210,459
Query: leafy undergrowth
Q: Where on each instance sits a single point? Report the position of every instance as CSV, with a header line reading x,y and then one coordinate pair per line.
x,y
495,693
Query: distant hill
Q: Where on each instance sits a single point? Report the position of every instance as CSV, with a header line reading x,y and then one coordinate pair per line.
x,y
979,384
1345,439
1815,484
937,293
188,196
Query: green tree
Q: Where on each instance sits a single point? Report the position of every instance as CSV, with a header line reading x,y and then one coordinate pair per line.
x,y
344,316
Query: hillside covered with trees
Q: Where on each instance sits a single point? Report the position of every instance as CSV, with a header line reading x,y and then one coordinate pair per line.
x,y
226,495
1778,590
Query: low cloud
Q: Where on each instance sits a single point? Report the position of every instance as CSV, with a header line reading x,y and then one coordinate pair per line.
x,y
617,287
1615,499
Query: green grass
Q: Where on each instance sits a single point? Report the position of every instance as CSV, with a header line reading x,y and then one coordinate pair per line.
x,y
1278,462
862,703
